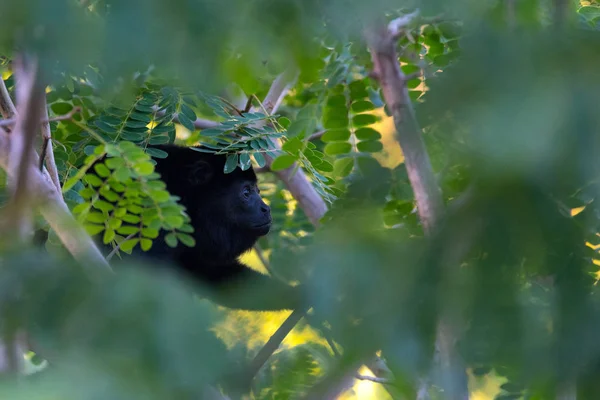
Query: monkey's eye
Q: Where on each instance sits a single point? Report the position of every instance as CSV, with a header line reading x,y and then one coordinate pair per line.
x,y
246,192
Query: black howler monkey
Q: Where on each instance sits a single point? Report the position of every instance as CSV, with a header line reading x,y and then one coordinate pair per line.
x,y
228,216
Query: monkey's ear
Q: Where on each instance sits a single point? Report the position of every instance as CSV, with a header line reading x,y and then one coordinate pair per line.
x,y
200,173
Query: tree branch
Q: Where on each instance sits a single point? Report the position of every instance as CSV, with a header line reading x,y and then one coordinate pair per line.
x,y
48,153
29,93
393,83
427,193
294,178
57,214
8,110
7,107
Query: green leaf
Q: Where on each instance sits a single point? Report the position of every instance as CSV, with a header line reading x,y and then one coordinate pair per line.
x,y
336,135
144,168
230,163
260,159
362,106
358,90
336,148
336,101
163,128
410,69
128,245
284,122
283,162
370,146
186,239
188,112
343,167
93,180
150,233
140,117
134,209
132,219
132,136
128,230
122,174
158,139
339,121
61,108
109,236
110,120
87,193
93,229
136,124
146,244
171,240
293,146
211,132
186,122
96,217
413,83
367,134
158,153
104,127
511,387
175,221
590,12
245,161
364,119
102,170
160,196
324,166
103,206
143,108
186,228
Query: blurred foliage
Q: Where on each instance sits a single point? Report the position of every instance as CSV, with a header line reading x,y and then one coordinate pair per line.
x,y
507,95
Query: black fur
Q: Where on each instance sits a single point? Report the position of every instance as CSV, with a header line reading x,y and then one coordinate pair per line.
x,y
224,224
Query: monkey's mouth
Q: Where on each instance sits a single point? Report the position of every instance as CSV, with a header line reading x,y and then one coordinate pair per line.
x,y
263,229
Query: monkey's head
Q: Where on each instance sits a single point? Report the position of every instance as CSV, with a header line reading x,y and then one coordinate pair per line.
x,y
227,210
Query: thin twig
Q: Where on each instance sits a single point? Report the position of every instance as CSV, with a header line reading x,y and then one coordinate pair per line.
x,y
274,342
263,260
48,150
397,26
45,120
317,135
373,379
118,246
